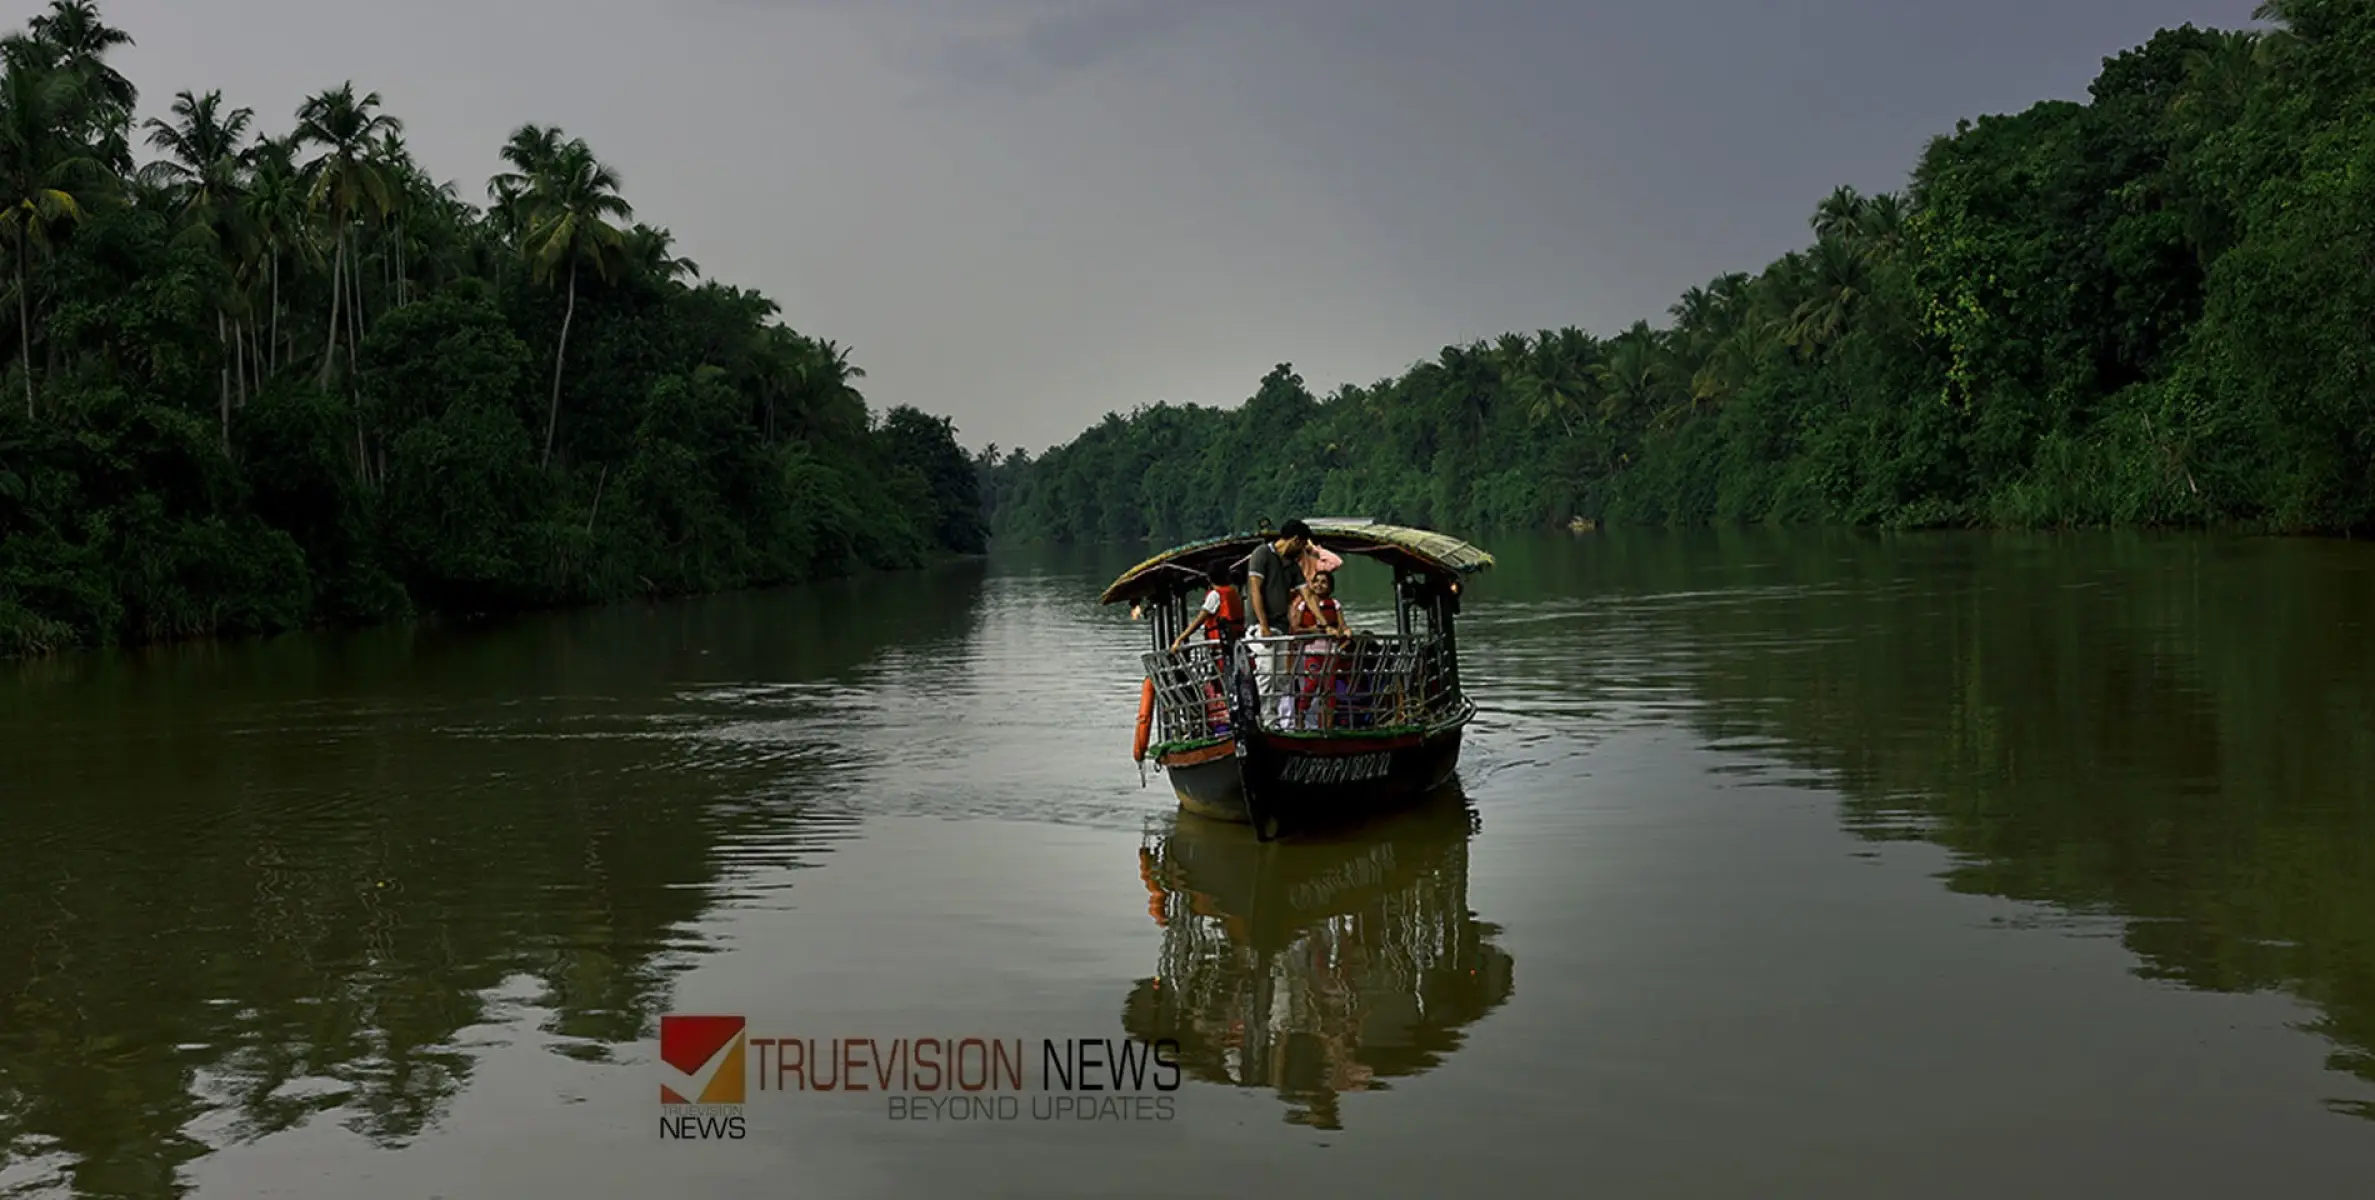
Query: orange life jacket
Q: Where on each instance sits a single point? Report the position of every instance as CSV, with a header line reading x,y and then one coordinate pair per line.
x,y
1228,624
1306,615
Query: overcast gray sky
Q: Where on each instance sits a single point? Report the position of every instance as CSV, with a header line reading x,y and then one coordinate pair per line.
x,y
1024,213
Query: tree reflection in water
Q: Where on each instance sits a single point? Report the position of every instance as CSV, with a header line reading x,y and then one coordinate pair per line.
x,y
245,887
1316,967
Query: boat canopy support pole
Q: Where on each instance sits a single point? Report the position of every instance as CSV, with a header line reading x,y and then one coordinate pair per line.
x,y
1447,607
1401,602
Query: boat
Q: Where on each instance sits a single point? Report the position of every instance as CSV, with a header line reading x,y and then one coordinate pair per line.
x,y
1332,728
1316,967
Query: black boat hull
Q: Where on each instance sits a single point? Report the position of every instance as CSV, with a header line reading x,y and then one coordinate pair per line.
x,y
1283,784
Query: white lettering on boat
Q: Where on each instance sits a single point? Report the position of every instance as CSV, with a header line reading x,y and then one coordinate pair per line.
x,y
1350,768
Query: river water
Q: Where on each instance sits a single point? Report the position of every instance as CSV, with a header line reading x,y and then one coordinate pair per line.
x,y
1783,863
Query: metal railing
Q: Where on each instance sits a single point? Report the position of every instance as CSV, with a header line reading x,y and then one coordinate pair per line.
x,y
1306,684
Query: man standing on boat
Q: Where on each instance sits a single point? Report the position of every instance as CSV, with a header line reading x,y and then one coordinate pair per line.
x,y
1272,576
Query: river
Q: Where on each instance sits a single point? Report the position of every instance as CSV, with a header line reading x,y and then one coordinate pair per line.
x,y
1783,863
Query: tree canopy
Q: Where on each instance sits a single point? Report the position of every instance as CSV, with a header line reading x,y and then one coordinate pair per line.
x,y
265,380
2154,308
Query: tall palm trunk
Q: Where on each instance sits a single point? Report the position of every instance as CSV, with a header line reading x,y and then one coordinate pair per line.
x,y
337,294
354,352
552,415
272,351
222,334
354,308
339,272
24,321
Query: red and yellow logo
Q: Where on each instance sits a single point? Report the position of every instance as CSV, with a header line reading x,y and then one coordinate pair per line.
x,y
707,1051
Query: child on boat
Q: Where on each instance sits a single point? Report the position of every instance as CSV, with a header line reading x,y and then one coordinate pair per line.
x,y
1315,610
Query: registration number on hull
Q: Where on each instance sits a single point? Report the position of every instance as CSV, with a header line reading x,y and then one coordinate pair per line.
x,y
1350,768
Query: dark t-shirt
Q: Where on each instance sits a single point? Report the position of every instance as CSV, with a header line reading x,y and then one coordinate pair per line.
x,y
1277,579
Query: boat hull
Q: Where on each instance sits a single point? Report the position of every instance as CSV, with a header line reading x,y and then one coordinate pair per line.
x,y
1282,784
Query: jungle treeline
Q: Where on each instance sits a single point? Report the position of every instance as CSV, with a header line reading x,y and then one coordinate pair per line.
x,y
261,378
2154,308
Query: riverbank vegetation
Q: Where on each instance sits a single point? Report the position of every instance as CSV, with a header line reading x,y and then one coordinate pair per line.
x,y
2156,307
262,378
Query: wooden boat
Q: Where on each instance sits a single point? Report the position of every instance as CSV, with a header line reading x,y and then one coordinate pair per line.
x,y
1318,730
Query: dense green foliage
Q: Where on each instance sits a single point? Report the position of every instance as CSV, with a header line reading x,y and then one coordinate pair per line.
x,y
2153,308
264,382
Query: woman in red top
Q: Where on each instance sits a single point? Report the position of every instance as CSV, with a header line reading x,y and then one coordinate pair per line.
x,y
1315,610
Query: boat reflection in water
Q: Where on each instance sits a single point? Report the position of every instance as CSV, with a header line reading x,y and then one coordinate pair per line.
x,y
1316,967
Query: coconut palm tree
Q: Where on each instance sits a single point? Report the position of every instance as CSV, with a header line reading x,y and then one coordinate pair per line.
x,y
1510,353
347,181
1731,294
275,208
78,42
410,194
1694,314
449,237
834,358
1557,377
1635,377
530,152
1732,362
202,148
652,253
570,208
202,174
1838,212
774,359
46,177
1839,284
1774,295
1880,228
831,408
1467,378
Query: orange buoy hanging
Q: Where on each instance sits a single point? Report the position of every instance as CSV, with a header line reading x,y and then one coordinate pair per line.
x,y
1146,720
